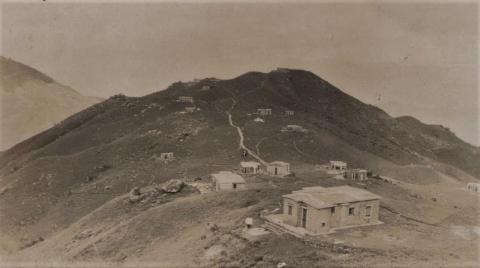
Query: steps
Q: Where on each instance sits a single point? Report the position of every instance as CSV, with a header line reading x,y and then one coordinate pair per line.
x,y
278,229
273,228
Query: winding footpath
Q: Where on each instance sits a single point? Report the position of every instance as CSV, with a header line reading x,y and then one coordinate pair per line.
x,y
240,133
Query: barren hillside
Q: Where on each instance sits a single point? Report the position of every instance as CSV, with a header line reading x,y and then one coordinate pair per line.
x,y
69,184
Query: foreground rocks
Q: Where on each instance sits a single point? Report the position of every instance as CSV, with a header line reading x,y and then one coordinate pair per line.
x,y
155,194
172,186
135,195
212,227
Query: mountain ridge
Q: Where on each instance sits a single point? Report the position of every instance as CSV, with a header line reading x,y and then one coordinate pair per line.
x,y
285,92
33,101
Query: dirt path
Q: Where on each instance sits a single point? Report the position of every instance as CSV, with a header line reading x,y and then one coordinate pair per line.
x,y
240,133
257,146
296,148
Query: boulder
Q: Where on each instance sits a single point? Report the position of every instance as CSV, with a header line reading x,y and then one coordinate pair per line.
x,y
31,242
84,234
135,195
172,186
212,227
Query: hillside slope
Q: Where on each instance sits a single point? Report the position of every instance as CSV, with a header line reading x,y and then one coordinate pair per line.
x,y
66,173
33,102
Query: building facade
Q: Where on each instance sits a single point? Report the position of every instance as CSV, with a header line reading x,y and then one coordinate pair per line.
x,y
473,187
264,111
187,99
249,167
355,174
338,165
166,156
226,180
278,168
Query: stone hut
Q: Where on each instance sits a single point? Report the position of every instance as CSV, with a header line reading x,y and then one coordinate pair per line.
x,y
263,111
187,99
474,187
320,210
166,156
338,165
226,180
278,168
355,174
249,167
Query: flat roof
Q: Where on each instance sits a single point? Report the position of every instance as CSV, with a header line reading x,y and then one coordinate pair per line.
x,y
278,163
249,164
356,170
340,163
324,197
227,177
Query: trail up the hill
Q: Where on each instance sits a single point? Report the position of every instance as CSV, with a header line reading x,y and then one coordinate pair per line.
x,y
240,133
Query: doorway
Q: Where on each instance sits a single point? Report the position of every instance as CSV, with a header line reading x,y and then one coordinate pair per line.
x,y
304,218
276,171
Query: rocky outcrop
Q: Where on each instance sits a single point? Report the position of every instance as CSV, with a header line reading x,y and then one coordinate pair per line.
x,y
135,195
172,186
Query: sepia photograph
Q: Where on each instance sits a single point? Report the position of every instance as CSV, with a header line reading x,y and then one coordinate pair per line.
x,y
239,133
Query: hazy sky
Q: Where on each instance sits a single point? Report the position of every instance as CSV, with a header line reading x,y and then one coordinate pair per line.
x,y
421,58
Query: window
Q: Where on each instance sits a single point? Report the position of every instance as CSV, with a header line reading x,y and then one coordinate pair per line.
x,y
368,211
351,211
323,224
290,210
332,209
234,186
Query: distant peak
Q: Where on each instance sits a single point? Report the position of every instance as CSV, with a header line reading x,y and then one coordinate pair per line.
x,y
290,71
10,67
407,118
281,70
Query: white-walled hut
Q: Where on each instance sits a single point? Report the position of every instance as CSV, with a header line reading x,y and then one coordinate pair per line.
x,y
355,174
250,167
187,99
278,168
289,112
473,187
264,111
338,165
226,180
167,156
